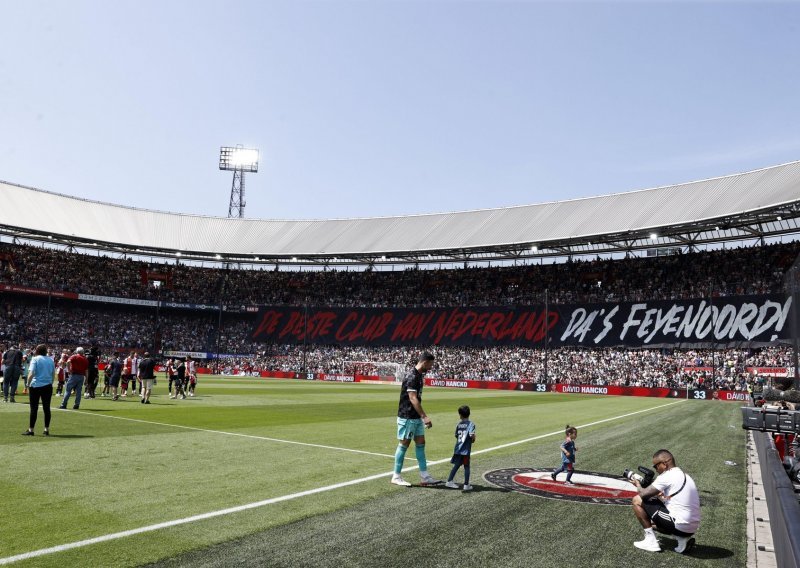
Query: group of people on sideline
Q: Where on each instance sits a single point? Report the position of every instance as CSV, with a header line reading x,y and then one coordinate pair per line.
x,y
73,372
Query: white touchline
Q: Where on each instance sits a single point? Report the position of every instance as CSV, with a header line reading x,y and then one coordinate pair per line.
x,y
223,432
212,514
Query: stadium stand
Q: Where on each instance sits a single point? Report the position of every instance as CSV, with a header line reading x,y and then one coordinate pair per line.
x,y
31,318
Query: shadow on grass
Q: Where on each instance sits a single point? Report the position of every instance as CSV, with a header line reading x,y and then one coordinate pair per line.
x,y
709,552
475,488
701,551
70,436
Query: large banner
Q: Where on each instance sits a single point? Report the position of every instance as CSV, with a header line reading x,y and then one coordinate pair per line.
x,y
722,322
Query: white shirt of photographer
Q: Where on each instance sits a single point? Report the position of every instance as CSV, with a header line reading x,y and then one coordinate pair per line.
x,y
685,506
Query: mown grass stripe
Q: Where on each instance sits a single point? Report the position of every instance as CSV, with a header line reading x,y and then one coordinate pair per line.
x,y
239,435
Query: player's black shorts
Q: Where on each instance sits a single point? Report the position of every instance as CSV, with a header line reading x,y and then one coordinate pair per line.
x,y
460,460
113,380
661,518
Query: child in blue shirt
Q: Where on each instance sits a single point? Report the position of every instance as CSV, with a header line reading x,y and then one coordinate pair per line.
x,y
465,436
568,450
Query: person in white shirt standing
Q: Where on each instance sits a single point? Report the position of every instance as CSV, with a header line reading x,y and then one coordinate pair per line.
x,y
137,382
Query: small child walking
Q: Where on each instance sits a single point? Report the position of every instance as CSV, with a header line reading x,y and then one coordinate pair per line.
x,y
465,436
568,450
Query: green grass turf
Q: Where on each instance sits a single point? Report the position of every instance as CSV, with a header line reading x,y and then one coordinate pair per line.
x,y
104,471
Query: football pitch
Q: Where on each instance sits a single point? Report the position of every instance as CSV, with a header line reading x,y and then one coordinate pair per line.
x,y
262,472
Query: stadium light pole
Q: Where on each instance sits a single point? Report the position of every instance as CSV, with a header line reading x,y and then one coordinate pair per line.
x,y
239,160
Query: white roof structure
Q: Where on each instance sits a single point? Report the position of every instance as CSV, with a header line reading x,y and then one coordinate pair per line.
x,y
754,204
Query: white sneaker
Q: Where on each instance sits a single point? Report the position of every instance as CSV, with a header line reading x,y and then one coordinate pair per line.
x,y
451,485
649,544
685,544
397,480
467,488
427,479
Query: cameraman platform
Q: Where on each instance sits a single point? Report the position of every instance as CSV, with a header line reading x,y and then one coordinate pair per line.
x,y
670,505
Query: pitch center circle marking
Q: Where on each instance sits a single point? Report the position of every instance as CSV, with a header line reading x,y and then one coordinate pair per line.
x,y
589,486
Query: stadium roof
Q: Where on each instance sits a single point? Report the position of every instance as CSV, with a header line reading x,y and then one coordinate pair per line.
x,y
755,204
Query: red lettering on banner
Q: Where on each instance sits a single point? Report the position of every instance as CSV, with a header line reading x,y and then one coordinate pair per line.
x,y
268,323
480,324
505,326
441,326
369,329
341,333
378,326
326,322
294,326
455,321
411,326
521,325
319,324
491,326
436,332
467,323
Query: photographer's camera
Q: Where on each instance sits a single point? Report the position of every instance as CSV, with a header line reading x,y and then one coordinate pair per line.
x,y
645,476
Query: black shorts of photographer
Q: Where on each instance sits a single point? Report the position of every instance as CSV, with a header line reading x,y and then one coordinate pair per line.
x,y
660,517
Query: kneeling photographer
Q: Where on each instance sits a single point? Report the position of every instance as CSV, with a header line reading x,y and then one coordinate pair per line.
x,y
670,504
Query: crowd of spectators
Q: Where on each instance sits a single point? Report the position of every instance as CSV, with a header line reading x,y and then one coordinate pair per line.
x,y
750,270
114,327
729,369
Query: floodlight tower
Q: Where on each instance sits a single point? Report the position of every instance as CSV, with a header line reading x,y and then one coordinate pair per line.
x,y
238,160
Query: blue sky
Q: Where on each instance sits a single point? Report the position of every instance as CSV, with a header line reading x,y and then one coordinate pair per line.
x,y
375,108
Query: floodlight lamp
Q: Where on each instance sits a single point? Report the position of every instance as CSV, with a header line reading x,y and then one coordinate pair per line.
x,y
653,236
238,159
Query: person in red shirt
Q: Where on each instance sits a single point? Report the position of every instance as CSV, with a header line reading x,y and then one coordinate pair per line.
x,y
77,365
61,367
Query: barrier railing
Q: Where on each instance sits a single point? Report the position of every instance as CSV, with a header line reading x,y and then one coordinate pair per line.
x,y
782,503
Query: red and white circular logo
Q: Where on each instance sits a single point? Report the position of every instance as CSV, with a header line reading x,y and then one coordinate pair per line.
x,y
588,486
